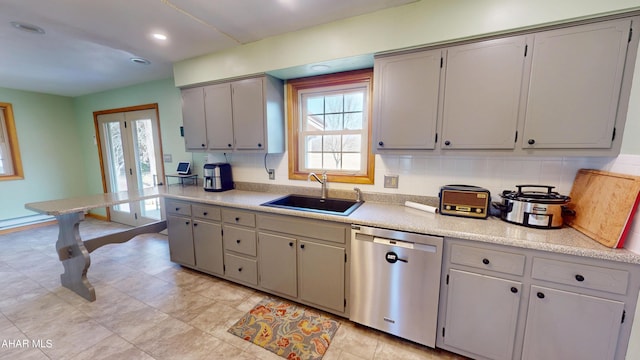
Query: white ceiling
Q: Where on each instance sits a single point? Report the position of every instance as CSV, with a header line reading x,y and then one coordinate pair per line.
x,y
88,44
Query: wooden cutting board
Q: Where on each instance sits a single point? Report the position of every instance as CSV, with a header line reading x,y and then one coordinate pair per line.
x,y
605,204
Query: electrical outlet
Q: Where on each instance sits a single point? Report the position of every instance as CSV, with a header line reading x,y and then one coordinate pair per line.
x,y
272,174
391,181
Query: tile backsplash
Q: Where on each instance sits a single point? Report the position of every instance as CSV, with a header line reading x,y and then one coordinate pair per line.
x,y
424,175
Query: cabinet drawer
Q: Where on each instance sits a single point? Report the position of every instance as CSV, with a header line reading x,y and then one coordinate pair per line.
x,y
322,230
240,268
493,260
581,275
239,217
239,240
206,212
178,207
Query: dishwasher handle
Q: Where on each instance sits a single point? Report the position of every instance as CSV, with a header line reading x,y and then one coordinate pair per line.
x,y
404,244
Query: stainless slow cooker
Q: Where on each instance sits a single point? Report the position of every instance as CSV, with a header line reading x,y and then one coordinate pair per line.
x,y
538,209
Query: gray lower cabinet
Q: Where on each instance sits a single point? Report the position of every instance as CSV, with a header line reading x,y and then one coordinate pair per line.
x,y
180,240
567,325
278,263
482,314
321,274
207,244
500,302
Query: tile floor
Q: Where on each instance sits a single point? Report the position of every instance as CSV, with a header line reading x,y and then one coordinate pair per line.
x,y
146,307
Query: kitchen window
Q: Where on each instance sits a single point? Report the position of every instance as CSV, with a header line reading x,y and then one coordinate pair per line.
x,y
10,163
330,126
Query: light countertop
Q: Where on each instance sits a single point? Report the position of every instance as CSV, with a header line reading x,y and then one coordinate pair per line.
x,y
392,216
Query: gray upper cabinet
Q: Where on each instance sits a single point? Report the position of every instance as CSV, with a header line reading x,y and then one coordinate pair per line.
x,y
575,82
248,114
241,115
219,116
195,135
406,90
482,94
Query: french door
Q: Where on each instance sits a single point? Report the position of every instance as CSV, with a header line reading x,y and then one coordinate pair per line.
x,y
131,161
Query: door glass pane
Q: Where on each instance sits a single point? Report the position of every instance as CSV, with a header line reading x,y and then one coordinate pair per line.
x,y
145,157
115,161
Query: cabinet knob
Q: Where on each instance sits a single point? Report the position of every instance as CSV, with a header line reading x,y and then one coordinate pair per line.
x,y
380,143
237,219
540,295
301,246
291,243
531,141
178,209
238,241
187,223
514,289
485,261
579,278
447,142
229,145
203,145
195,224
204,213
239,269
259,145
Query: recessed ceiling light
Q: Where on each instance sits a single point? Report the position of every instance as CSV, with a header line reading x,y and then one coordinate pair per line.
x,y
320,67
33,29
160,36
139,60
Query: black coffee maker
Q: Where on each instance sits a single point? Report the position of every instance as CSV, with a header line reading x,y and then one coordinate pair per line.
x,y
217,177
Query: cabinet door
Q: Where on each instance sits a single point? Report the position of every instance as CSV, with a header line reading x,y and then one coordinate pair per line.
x,y
217,107
277,259
576,76
248,114
207,242
321,274
482,94
193,119
482,314
564,325
180,240
406,100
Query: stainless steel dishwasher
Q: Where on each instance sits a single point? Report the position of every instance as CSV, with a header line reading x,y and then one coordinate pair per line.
x,y
395,282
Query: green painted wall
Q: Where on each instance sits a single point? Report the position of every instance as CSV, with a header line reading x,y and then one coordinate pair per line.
x,y
49,142
162,92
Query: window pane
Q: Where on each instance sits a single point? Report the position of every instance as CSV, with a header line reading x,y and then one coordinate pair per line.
x,y
351,143
353,121
1,160
354,101
331,143
314,123
333,104
315,104
332,161
313,143
313,161
352,161
333,122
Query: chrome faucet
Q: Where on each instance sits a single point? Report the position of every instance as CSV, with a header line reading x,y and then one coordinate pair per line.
x,y
358,194
323,182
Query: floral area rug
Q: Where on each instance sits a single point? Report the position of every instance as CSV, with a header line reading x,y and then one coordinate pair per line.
x,y
291,331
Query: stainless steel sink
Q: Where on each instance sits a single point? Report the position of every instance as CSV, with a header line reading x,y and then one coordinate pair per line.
x,y
315,204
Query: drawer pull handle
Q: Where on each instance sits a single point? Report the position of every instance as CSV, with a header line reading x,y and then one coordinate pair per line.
x,y
240,269
579,278
514,289
540,295
237,219
238,241
291,243
485,261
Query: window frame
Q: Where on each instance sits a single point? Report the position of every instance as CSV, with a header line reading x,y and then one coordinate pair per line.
x,y
12,142
294,87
